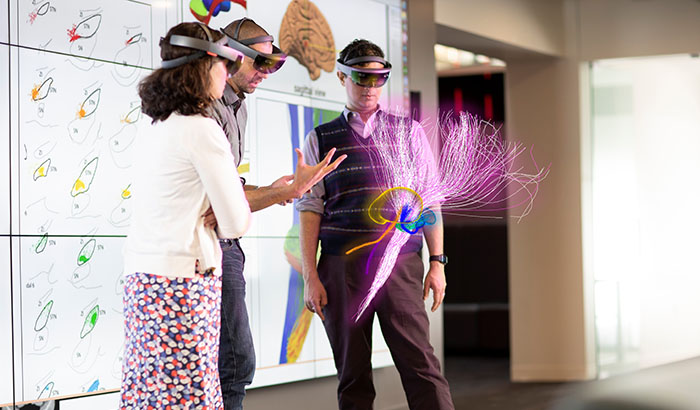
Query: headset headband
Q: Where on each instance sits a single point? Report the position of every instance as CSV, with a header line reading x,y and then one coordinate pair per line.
x,y
366,59
249,41
204,47
263,62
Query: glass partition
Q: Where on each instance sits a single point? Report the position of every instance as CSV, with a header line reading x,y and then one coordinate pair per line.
x,y
645,196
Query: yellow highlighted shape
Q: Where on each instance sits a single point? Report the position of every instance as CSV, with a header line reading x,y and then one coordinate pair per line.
x,y
296,340
381,220
42,170
84,180
126,194
79,186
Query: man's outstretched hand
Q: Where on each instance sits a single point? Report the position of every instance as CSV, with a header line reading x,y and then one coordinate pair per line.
x,y
284,181
306,176
288,187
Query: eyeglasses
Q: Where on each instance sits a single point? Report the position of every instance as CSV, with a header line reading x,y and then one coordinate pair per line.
x,y
366,77
262,62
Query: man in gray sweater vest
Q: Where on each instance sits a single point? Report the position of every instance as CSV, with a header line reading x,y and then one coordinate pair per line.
x,y
335,211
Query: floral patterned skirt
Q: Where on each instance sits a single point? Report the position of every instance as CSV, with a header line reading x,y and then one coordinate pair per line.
x,y
172,342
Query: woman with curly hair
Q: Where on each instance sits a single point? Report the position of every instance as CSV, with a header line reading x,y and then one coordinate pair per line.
x,y
172,261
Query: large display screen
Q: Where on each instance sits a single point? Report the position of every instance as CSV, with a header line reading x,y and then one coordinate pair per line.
x,y
70,110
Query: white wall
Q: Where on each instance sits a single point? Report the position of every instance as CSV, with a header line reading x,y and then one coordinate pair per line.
x,y
533,24
547,105
422,75
550,337
551,329
626,28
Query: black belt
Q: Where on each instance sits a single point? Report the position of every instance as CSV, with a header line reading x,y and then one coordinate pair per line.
x,y
228,242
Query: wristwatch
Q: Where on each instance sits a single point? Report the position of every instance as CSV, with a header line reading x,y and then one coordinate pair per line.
x,y
442,258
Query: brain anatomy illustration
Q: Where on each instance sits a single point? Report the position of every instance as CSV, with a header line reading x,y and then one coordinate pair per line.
x,y
306,36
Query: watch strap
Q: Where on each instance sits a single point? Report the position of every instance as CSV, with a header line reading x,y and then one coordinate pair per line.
x,y
442,258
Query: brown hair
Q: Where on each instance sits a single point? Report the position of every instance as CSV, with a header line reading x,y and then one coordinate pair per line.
x,y
183,89
249,29
360,48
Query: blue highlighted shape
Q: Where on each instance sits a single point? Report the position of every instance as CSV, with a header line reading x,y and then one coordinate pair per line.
x,y
94,386
427,217
223,6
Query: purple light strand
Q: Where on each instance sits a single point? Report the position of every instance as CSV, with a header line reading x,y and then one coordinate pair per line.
x,y
474,168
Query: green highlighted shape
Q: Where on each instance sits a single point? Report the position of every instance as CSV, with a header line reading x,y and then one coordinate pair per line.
x,y
43,317
90,321
86,252
198,7
41,245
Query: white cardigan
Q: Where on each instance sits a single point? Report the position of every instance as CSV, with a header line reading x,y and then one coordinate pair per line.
x,y
181,166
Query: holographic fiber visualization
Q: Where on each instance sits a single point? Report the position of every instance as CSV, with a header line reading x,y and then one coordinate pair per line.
x,y
474,170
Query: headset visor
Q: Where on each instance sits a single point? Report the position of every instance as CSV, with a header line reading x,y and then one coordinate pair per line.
x,y
366,77
262,62
269,63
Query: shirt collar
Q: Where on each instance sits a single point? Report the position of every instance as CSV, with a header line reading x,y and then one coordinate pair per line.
x,y
347,114
355,122
231,98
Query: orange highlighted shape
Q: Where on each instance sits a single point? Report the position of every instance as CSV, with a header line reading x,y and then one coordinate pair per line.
x,y
132,116
87,175
90,104
39,92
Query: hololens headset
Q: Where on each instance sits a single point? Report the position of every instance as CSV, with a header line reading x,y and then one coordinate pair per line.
x,y
264,63
204,47
366,77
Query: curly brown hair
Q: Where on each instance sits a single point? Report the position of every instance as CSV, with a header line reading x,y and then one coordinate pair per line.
x,y
183,89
